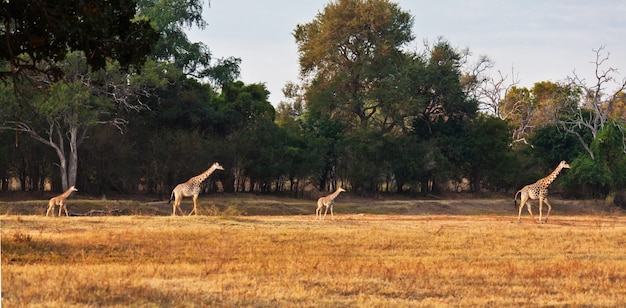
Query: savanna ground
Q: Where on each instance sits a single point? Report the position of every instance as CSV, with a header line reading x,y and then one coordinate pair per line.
x,y
269,251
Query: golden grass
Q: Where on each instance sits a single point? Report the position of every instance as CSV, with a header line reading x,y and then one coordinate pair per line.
x,y
353,261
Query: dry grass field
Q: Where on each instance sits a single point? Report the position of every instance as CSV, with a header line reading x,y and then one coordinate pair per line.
x,y
474,257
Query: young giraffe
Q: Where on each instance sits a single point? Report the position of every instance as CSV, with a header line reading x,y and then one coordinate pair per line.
x,y
538,190
60,201
191,188
327,202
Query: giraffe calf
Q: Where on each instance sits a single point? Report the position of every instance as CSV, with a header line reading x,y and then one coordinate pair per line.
x,y
60,201
327,202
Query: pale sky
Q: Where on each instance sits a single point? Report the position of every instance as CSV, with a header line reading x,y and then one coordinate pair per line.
x,y
539,40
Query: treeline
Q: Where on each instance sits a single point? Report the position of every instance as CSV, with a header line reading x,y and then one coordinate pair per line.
x,y
368,116
187,126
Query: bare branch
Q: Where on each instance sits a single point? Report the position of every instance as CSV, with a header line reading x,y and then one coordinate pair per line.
x,y
597,99
491,93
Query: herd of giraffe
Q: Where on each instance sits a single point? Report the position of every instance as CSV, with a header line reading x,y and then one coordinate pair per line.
x,y
192,188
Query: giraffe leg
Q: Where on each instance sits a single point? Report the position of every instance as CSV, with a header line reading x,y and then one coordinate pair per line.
x,y
50,208
540,207
326,212
530,211
549,209
182,213
195,201
177,200
524,200
63,207
332,216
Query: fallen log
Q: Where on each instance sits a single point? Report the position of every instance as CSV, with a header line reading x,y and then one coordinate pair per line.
x,y
114,212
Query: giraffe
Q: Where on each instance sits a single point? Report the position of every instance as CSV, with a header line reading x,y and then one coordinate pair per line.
x,y
327,202
538,190
60,201
191,188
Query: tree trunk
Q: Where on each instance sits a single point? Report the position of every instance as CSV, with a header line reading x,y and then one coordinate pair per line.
x,y
73,163
68,164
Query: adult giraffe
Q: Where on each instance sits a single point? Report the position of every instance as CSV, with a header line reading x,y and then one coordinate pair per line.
x,y
538,190
191,188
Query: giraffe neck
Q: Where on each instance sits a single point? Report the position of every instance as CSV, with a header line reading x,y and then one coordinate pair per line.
x,y
552,176
204,175
67,193
334,195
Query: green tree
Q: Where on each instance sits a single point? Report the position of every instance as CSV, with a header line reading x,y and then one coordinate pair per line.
x,y
326,137
351,52
25,160
289,112
441,113
487,155
595,103
605,173
36,32
60,114
179,133
363,159
436,87
243,104
102,97
403,156
611,152
530,109
551,144
248,122
171,18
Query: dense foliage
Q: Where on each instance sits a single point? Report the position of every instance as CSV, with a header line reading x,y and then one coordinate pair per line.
x,y
369,116
37,34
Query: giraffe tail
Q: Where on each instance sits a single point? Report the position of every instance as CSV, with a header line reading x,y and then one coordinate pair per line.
x,y
171,198
515,199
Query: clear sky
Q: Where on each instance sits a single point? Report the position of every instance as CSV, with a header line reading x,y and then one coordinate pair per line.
x,y
540,40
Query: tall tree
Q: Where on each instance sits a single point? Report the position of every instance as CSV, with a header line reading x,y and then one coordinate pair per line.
x,y
437,86
171,18
59,114
486,153
248,126
351,53
440,113
33,32
534,108
596,104
605,173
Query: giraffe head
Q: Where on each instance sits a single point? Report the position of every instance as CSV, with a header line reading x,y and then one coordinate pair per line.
x,y
73,188
217,166
564,164
340,189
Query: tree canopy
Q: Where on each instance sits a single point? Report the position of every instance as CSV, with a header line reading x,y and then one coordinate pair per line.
x,y
171,18
351,52
34,32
